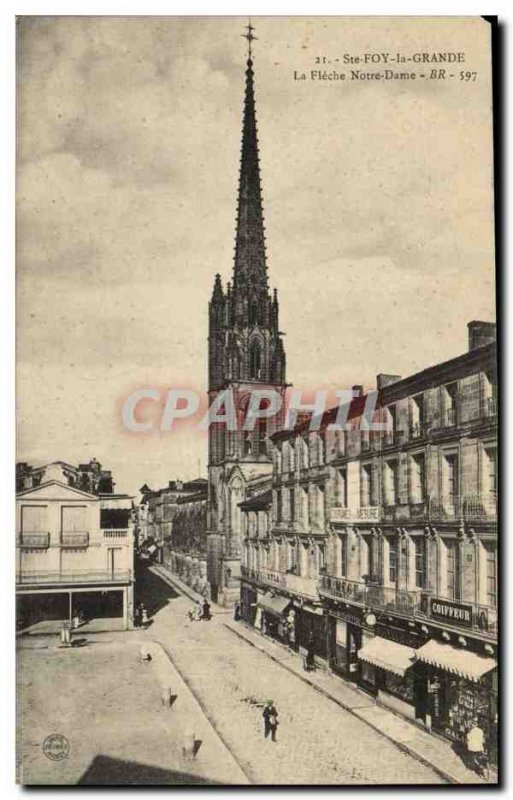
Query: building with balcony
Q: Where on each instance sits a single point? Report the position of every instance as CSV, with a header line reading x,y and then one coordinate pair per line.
x,y
412,554
74,550
383,543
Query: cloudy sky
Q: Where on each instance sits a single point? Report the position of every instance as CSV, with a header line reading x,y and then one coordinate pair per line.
x,y
378,205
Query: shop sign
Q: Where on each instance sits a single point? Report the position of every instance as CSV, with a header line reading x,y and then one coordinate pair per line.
x,y
450,612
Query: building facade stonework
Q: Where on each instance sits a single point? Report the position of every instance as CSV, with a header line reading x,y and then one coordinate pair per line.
x,y
379,553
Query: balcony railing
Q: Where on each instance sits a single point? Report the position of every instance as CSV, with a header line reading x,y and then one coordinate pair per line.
x,y
75,539
389,598
39,577
465,507
343,588
34,540
115,533
298,584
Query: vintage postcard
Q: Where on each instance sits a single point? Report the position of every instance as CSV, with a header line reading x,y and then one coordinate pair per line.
x,y
256,479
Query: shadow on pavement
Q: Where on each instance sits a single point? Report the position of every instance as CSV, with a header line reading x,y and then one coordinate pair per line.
x,y
152,590
104,771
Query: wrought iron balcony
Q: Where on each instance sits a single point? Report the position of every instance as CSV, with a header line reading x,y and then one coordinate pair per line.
x,y
471,508
75,539
34,540
392,599
354,591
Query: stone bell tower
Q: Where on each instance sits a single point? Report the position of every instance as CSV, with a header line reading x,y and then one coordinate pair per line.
x,y
245,352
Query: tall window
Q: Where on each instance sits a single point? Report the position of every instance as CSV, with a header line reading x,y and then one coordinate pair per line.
x,y
343,555
418,478
392,560
450,392
253,313
33,519
278,505
417,415
365,486
292,504
490,471
321,556
451,478
73,519
491,574
255,361
420,562
342,487
292,455
452,561
391,477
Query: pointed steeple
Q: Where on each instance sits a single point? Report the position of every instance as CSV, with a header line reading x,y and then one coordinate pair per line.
x,y
250,269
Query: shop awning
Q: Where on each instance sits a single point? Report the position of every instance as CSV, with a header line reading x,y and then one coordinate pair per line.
x,y
461,662
391,656
274,605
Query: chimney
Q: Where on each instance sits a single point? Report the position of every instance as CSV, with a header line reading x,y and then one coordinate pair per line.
x,y
357,390
383,380
481,334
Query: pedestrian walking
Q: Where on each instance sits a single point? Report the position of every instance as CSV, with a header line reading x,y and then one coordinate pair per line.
x,y
205,610
236,611
270,716
144,615
476,748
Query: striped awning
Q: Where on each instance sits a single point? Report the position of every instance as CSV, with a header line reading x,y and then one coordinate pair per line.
x,y
387,655
452,659
274,604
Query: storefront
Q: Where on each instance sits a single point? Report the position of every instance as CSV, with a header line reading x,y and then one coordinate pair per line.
x,y
387,669
344,638
272,617
311,630
460,686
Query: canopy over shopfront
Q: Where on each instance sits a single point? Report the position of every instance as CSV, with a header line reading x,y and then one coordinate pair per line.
x,y
460,662
274,605
391,656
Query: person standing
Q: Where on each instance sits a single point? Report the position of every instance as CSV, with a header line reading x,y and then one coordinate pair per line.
x,y
475,745
270,716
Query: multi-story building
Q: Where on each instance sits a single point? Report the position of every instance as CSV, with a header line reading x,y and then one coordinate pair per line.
x,y
383,543
246,353
74,550
157,509
185,546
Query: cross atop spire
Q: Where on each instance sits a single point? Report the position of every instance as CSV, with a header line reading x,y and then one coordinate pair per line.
x,y
250,262
249,36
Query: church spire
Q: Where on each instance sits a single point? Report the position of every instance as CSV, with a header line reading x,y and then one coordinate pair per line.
x,y
250,271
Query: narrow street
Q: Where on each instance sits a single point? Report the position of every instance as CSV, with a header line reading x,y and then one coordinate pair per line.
x,y
318,742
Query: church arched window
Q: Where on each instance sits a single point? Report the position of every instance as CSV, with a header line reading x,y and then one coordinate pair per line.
x,y
255,361
253,313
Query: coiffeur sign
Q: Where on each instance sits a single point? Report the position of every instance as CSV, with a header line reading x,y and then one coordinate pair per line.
x,y
450,612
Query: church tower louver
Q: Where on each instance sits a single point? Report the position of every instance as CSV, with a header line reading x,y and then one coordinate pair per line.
x,y
245,352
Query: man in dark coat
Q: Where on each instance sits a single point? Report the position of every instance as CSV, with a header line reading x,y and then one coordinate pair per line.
x,y
270,716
